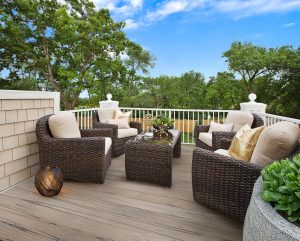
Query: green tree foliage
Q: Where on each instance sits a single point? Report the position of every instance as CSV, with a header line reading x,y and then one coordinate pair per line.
x,y
248,60
71,45
225,92
273,74
186,92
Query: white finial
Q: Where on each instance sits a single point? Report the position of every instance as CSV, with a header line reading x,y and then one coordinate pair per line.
x,y
252,97
109,97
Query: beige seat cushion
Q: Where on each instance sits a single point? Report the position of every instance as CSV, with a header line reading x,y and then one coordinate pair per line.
x,y
206,138
219,127
107,144
244,142
64,125
122,133
239,119
275,142
121,123
222,152
106,113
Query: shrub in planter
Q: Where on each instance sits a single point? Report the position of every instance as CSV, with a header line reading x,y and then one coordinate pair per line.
x,y
281,187
163,122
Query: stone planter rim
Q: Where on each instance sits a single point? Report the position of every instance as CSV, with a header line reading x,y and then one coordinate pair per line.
x,y
272,215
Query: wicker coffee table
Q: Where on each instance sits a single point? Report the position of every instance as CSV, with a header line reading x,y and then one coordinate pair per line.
x,y
150,159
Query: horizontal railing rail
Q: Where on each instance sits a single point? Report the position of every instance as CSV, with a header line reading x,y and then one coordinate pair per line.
x,y
185,120
272,119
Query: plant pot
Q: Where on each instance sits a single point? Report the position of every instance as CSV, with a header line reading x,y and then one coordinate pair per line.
x,y
263,223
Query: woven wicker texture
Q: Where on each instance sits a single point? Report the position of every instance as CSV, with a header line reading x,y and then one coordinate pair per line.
x,y
145,161
223,183
81,159
118,144
216,135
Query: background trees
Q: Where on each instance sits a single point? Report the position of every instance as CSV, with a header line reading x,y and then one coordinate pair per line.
x,y
271,73
70,47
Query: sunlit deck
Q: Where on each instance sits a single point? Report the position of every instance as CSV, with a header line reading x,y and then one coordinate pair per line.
x,y
116,210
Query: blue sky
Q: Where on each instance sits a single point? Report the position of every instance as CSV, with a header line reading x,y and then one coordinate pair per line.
x,y
192,34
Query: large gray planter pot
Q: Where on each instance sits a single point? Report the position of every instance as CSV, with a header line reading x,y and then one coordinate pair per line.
x,y
263,223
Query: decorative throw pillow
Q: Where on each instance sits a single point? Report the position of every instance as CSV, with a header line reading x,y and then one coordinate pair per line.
x,y
106,113
244,142
121,115
276,142
121,123
219,127
64,125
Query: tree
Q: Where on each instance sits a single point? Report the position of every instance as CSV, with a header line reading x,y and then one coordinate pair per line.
x,y
190,91
248,60
225,92
62,43
280,91
272,73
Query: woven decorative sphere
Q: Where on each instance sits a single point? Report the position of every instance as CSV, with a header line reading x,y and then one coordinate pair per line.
x,y
49,181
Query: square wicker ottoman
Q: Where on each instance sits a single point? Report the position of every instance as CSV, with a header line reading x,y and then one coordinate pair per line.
x,y
148,159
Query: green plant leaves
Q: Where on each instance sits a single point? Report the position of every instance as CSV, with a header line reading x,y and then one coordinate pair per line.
x,y
281,186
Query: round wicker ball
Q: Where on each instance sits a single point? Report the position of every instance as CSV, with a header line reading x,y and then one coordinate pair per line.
x,y
49,181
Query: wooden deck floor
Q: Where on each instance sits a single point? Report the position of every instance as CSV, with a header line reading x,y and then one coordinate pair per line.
x,y
116,210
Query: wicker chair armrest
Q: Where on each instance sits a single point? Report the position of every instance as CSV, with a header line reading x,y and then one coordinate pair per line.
x,y
205,157
228,181
105,132
200,128
217,136
74,146
225,143
104,125
136,125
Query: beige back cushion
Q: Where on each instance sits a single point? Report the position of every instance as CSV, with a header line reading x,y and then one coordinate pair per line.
x,y
64,125
239,119
275,142
105,114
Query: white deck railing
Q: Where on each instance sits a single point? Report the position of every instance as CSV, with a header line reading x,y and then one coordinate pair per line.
x,y
184,119
272,119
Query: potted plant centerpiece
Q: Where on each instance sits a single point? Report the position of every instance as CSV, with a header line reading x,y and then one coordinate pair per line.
x,y
161,125
274,210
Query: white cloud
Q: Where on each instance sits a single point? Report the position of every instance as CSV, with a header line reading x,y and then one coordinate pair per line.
x,y
239,8
253,7
123,8
131,24
138,12
287,25
136,3
174,6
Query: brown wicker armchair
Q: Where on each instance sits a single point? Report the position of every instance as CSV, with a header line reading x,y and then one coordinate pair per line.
x,y
223,183
81,159
217,135
118,144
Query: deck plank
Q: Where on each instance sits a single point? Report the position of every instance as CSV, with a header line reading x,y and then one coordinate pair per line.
x,y
116,210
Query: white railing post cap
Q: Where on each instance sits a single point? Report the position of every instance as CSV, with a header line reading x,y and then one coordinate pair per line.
x,y
252,106
109,103
252,97
109,97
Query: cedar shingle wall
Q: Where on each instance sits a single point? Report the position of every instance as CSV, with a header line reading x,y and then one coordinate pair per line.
x,y
19,157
